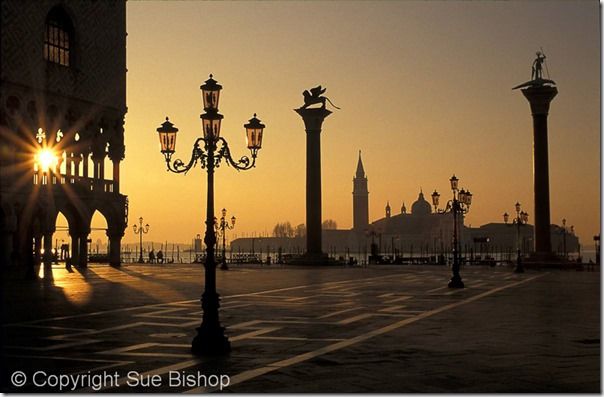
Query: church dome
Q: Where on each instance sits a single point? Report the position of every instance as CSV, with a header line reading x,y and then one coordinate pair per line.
x,y
421,206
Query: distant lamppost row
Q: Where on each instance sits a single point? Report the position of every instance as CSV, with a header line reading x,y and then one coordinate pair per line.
x,y
459,205
520,219
140,230
209,151
221,228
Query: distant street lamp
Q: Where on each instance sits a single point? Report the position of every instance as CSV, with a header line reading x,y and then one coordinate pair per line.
x,y
597,248
459,205
221,228
140,230
564,250
209,151
520,219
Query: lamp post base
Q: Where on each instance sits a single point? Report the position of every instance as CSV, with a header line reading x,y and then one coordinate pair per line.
x,y
210,341
456,282
519,268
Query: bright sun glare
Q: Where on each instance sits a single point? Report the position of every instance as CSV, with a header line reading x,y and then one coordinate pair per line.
x,y
47,159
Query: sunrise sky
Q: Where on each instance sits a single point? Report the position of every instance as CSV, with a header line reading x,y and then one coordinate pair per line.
x,y
425,92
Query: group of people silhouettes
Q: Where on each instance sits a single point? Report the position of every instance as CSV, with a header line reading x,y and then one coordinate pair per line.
x,y
153,258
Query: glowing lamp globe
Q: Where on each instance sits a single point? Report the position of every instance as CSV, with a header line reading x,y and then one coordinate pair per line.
x,y
210,92
253,132
167,138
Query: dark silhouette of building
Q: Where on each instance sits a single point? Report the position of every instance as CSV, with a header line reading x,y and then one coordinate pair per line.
x,y
62,107
360,199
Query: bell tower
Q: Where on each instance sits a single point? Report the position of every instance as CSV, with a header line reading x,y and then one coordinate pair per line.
x,y
360,199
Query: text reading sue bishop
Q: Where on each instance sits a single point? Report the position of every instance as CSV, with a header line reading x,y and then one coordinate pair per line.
x,y
108,380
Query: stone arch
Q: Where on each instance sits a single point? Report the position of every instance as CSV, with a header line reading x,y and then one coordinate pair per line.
x,y
113,214
78,218
99,224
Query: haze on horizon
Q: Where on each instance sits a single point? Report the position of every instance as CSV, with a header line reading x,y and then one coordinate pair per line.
x,y
425,92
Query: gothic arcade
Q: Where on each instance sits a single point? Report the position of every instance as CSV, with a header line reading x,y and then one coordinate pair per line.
x,y
62,107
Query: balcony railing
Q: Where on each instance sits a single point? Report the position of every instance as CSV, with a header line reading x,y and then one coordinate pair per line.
x,y
90,184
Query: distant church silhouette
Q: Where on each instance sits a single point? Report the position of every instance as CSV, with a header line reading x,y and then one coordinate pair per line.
x,y
360,199
420,227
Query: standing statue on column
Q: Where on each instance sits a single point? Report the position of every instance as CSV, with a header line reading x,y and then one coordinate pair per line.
x,y
538,66
537,74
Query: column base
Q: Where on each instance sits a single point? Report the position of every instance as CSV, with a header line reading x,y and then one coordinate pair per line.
x,y
312,259
456,282
210,341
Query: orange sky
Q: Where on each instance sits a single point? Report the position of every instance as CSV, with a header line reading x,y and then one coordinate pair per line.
x,y
425,92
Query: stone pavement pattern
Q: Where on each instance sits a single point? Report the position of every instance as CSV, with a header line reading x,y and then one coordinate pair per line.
x,y
390,329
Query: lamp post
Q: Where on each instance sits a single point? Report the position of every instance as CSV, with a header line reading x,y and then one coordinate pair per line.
x,y
209,151
459,205
221,228
140,230
564,239
597,248
520,219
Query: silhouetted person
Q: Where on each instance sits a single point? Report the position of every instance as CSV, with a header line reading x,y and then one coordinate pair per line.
x,y
64,251
151,256
160,257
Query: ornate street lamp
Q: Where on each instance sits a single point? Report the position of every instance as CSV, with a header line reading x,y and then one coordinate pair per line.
x,y
209,151
459,205
140,230
520,219
221,227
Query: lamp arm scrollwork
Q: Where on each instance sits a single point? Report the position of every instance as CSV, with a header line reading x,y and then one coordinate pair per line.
x,y
198,154
244,163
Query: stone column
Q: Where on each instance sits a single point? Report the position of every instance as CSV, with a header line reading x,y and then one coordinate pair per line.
x,y
539,97
313,120
75,248
115,244
116,176
102,167
85,165
48,257
37,248
83,250
68,162
77,160
95,167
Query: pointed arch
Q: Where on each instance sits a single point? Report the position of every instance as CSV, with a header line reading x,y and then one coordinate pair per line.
x,y
59,37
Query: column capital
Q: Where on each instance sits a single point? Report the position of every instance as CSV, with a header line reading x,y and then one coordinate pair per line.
x,y
539,98
115,232
313,118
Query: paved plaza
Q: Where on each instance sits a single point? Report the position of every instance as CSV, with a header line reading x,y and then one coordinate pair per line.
x,y
297,329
